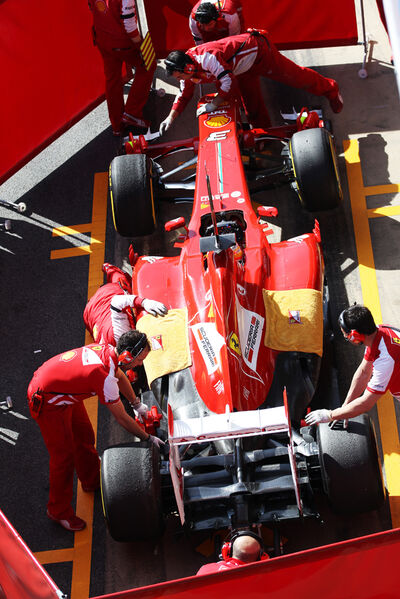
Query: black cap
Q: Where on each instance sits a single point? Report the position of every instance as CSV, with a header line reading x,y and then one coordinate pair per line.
x,y
206,12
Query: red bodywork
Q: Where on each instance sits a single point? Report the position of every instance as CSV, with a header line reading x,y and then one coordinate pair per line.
x,y
223,290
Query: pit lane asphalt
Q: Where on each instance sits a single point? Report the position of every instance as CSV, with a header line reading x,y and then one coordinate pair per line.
x,y
45,281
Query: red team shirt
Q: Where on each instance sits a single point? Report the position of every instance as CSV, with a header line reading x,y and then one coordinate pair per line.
x,y
385,354
77,374
215,64
228,564
230,21
110,313
115,19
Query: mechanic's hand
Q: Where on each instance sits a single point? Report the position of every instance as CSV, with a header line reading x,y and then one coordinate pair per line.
x,y
141,409
156,441
153,307
318,416
165,125
208,107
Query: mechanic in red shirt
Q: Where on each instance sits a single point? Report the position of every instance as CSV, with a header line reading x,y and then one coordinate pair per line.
x,y
116,35
378,372
235,64
112,310
243,547
214,20
55,395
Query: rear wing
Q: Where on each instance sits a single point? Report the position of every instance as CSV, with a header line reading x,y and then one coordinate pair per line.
x,y
230,425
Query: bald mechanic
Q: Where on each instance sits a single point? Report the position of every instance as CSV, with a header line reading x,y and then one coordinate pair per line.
x,y
116,35
56,394
235,65
244,547
378,372
214,20
113,309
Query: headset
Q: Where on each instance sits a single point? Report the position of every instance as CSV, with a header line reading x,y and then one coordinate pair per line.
x,y
351,334
190,68
227,547
130,353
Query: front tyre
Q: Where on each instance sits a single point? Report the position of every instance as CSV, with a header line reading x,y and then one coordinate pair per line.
x,y
315,169
131,195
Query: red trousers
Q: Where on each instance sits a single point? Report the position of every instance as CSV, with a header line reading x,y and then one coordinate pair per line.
x,y
270,63
113,60
69,438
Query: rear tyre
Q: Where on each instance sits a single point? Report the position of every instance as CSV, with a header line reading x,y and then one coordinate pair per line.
x,y
315,169
350,465
131,195
131,492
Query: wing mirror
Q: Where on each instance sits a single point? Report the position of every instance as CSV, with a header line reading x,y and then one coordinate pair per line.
x,y
267,211
174,224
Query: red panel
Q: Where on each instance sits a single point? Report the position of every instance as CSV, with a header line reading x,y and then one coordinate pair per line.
x,y
21,576
363,568
51,74
305,24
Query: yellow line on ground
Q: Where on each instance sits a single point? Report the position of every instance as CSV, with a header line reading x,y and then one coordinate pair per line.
x,y
383,211
377,190
370,292
84,504
80,554
82,250
73,230
55,556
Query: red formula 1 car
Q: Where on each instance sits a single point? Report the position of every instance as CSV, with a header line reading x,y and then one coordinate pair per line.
x,y
236,362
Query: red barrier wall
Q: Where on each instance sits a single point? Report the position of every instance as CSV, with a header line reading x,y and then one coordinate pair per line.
x,y
363,568
290,23
51,74
21,576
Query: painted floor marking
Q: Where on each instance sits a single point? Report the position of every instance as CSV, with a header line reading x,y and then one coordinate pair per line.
x,y
370,292
80,554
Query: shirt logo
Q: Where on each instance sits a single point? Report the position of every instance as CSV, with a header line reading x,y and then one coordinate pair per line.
x,y
100,5
69,355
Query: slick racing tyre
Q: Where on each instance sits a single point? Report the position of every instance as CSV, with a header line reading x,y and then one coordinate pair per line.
x,y
315,169
350,466
131,492
131,195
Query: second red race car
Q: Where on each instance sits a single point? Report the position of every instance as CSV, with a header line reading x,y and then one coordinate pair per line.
x,y
235,364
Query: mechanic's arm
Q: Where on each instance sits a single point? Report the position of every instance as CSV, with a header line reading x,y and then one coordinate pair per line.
x,y
360,381
195,31
129,20
356,406
118,411
181,100
234,23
